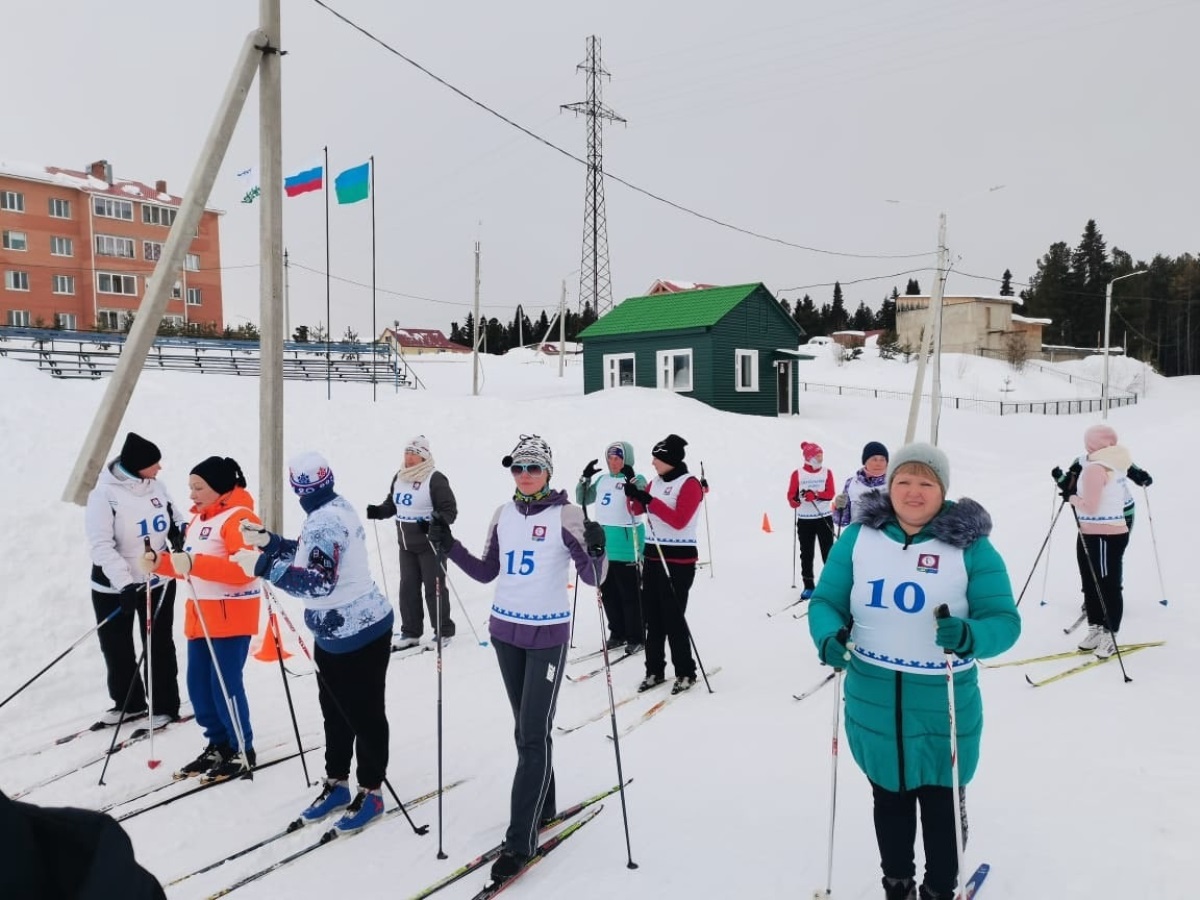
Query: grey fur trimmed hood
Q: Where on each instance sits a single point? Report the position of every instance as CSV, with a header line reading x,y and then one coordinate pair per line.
x,y
959,524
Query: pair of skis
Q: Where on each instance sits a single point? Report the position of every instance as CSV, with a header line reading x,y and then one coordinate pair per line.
x,y
658,707
1091,663
599,670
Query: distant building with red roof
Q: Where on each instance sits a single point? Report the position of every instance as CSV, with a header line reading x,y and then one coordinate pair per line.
x,y
667,286
420,340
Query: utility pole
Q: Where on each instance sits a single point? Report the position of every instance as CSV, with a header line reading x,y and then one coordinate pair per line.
x,y
935,312
562,328
595,279
270,251
475,331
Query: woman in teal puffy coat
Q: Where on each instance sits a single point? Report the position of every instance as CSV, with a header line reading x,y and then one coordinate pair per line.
x,y
909,552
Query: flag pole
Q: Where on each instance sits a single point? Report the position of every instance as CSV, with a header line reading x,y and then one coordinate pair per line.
x,y
374,327
328,323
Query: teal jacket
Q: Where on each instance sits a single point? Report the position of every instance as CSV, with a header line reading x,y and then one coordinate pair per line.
x,y
898,723
621,543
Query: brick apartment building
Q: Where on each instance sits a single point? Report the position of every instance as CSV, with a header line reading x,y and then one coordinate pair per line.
x,y
77,248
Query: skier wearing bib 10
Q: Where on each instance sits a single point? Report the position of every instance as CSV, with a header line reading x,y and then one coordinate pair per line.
x,y
907,553
531,542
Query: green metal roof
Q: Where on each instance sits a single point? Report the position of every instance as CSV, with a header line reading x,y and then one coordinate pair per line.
x,y
670,312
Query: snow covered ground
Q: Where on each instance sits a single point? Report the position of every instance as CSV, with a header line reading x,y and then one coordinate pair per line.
x,y
1086,788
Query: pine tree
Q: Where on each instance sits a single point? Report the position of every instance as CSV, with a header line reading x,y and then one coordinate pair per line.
x,y
885,318
1092,271
1006,289
806,315
863,319
1052,295
913,288
838,319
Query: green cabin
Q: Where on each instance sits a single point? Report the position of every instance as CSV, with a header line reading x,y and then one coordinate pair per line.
x,y
733,348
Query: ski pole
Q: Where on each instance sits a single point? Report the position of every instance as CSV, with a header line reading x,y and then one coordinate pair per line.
x,y
422,829
612,706
678,604
941,613
152,762
462,608
437,590
795,538
574,606
79,640
1154,541
1046,571
843,637
382,565
707,528
1041,550
1100,595
273,628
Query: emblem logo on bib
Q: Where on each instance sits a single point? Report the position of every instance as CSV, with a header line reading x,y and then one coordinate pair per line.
x,y
928,563
156,503
205,532
539,533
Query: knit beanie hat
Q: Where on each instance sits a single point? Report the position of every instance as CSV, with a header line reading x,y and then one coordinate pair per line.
x,y
811,451
309,472
531,450
420,446
670,450
1098,437
220,473
137,453
873,448
926,454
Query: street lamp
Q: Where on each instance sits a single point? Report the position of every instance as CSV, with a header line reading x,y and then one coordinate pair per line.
x,y
1104,396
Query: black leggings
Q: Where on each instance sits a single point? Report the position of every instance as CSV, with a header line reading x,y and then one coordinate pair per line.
x,y
351,691
896,833
1106,553
810,531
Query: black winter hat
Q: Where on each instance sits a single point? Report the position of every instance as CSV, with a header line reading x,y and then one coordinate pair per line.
x,y
137,453
874,448
220,473
670,449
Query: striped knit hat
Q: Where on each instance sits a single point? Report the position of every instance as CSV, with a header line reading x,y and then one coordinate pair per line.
x,y
309,472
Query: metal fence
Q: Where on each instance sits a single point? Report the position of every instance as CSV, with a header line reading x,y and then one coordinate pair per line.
x,y
995,407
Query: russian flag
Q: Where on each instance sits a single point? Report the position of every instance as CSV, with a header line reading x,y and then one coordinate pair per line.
x,y
310,179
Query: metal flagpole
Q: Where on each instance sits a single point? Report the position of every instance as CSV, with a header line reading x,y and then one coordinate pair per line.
x,y
374,327
328,323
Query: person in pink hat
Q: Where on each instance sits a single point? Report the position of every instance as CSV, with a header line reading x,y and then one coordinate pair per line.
x,y
809,492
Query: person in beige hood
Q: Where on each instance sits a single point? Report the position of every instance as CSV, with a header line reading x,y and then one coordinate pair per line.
x,y
1098,499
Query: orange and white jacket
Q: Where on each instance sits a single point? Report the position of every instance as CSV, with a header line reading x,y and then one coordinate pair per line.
x,y
224,595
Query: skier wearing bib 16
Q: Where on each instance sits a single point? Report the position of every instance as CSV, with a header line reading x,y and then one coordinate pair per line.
x,y
530,545
906,554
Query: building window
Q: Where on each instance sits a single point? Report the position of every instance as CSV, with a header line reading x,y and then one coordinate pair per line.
x,y
158,215
65,321
746,365
62,246
64,284
110,245
19,317
675,370
16,240
191,262
176,290
620,370
60,209
109,319
112,283
110,208
193,297
16,281
11,201
173,321
151,251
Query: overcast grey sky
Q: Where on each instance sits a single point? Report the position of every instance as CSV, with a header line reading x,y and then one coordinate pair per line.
x,y
800,120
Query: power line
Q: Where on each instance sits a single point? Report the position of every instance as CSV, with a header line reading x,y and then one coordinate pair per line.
x,y
609,175
805,287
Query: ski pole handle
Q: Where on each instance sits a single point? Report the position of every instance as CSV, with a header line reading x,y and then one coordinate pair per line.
x,y
943,612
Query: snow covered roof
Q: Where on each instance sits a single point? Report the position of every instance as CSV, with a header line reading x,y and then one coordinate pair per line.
x,y
1030,321
424,338
88,183
672,286
850,332
947,298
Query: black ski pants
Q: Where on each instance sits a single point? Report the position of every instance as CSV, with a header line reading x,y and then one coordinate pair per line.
x,y
351,690
810,532
896,833
664,601
420,570
622,596
531,680
1106,552
120,659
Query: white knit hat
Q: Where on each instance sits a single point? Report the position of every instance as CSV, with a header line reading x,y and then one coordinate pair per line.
x,y
309,472
419,445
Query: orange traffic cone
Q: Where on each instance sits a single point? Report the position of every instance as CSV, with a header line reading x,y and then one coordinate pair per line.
x,y
272,644
766,526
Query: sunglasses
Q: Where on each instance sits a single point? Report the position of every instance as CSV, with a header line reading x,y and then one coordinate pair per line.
x,y
531,468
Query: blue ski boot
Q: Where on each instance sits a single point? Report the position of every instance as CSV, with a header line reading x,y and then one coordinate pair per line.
x,y
335,795
365,809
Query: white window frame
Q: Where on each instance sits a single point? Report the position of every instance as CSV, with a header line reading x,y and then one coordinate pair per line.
x,y
66,321
113,208
16,280
113,244
152,250
158,215
9,244
60,208
191,262
114,278
612,369
12,201
177,290
58,244
109,318
194,297
667,373
18,318
176,321
739,383
63,284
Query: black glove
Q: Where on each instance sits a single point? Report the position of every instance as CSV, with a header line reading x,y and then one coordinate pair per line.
x,y
627,472
704,483
131,595
589,470
1066,481
593,538
1140,477
633,492
375,512
439,534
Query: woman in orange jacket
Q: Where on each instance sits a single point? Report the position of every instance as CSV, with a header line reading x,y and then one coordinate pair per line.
x,y
221,615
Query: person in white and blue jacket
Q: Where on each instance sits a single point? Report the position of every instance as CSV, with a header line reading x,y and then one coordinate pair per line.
x,y
351,621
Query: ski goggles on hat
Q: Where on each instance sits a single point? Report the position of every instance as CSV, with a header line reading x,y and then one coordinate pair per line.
x,y
531,468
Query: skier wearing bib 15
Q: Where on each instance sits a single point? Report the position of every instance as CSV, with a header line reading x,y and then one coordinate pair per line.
x,y
531,542
906,554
